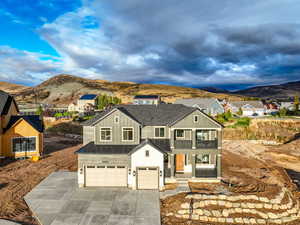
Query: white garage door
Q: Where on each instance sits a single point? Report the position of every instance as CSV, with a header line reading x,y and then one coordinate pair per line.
x,y
147,178
106,176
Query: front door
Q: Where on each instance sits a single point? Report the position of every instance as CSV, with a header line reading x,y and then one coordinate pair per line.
x,y
180,162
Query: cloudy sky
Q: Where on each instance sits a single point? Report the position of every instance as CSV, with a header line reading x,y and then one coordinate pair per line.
x,y
230,43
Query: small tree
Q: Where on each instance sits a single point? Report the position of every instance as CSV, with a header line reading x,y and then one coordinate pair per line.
x,y
296,103
227,115
240,112
282,112
39,110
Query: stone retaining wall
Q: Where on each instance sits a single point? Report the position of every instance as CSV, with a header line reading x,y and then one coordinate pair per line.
x,y
263,210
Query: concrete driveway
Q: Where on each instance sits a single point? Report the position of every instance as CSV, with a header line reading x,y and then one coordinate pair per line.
x,y
58,201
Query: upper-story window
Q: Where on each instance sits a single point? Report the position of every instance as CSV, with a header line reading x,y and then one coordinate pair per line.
x,y
116,119
196,118
159,132
179,133
105,134
127,133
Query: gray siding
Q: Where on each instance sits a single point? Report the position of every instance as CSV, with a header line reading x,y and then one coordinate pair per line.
x,y
204,122
124,121
148,132
96,159
88,134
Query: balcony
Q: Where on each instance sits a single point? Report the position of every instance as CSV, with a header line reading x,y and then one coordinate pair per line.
x,y
206,144
183,144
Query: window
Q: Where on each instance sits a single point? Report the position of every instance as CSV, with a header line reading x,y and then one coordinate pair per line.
x,y
179,133
202,135
116,119
105,134
159,132
24,144
202,159
147,153
196,119
127,134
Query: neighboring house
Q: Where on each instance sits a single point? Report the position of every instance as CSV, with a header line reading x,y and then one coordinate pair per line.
x,y
146,146
85,103
271,107
249,108
287,105
210,106
20,136
147,100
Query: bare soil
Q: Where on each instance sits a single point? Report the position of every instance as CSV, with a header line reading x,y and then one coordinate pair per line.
x,y
18,177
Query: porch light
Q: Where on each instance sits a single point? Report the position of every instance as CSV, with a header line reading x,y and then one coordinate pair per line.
x,y
160,173
80,171
129,171
133,173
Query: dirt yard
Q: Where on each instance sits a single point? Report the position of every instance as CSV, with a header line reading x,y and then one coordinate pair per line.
x,y
18,177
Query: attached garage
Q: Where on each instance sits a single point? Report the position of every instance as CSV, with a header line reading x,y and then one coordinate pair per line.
x,y
147,178
106,176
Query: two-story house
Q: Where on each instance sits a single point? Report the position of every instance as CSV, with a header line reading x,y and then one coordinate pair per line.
x,y
147,100
146,146
85,103
20,136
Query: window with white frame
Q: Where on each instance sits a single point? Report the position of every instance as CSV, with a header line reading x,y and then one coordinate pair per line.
x,y
159,132
105,134
24,144
179,133
127,133
196,118
116,119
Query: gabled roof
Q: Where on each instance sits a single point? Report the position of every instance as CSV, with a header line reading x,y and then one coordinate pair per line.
x,y
146,97
240,104
162,145
88,97
200,102
5,101
148,115
33,120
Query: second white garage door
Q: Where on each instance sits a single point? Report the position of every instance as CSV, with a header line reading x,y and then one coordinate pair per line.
x,y
147,178
109,176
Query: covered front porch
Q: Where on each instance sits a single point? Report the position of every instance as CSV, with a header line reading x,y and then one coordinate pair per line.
x,y
194,166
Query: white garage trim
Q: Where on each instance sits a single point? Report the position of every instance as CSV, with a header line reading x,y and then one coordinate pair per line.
x,y
105,176
147,178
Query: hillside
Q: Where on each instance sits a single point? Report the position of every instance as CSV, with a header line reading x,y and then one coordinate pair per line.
x,y
11,88
281,91
63,89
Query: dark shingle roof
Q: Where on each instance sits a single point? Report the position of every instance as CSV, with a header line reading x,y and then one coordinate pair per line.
x,y
33,120
5,101
149,115
88,97
161,144
146,96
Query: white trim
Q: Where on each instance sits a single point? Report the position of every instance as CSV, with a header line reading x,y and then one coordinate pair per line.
x,y
12,146
110,134
198,128
159,127
132,134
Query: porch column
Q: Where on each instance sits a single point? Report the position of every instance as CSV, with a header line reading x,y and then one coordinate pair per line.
x,y
172,139
219,132
219,165
193,138
172,165
193,165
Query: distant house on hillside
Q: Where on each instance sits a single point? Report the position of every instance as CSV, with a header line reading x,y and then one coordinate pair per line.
x,y
287,105
147,100
249,108
85,103
271,107
210,106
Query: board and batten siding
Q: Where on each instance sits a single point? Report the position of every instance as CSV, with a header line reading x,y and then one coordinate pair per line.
x,y
148,132
88,134
124,121
204,122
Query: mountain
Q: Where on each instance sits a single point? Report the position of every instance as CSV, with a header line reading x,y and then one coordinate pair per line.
x,y
63,89
11,88
214,89
281,91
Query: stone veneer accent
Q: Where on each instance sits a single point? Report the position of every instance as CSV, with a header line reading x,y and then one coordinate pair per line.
x,y
237,205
